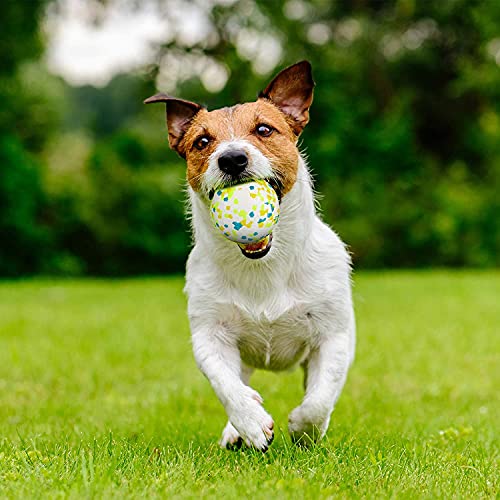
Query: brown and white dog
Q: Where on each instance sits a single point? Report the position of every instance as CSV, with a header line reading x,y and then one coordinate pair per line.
x,y
274,306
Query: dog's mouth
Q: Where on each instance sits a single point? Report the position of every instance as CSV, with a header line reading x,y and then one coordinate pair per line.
x,y
258,249
255,250
274,183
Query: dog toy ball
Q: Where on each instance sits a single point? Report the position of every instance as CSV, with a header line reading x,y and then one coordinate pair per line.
x,y
245,213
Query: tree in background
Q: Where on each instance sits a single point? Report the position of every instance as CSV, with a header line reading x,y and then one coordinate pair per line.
x,y
28,116
404,138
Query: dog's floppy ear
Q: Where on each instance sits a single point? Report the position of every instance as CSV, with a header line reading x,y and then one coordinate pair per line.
x,y
179,116
292,92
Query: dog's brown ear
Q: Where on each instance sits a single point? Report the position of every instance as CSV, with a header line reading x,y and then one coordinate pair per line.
x,y
292,92
179,116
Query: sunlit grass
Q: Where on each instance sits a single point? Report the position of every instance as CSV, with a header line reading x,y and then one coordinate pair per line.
x,y
100,396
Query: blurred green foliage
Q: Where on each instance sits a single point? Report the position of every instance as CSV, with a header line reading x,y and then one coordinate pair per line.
x,y
404,138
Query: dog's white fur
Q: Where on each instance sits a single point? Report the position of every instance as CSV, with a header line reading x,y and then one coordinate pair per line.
x,y
291,307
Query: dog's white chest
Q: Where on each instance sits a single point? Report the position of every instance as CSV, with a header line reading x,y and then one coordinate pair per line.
x,y
276,344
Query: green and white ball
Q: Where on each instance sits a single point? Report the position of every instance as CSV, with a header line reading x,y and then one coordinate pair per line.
x,y
247,212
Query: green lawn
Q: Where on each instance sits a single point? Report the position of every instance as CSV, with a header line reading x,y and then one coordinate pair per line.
x,y
100,396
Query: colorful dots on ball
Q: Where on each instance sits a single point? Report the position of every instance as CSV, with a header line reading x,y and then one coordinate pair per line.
x,y
245,213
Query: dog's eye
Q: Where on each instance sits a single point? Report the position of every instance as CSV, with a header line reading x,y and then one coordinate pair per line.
x,y
202,142
264,130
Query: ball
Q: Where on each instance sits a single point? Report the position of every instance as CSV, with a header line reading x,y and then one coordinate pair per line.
x,y
245,213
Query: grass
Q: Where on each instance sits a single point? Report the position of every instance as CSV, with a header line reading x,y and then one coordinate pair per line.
x,y
100,396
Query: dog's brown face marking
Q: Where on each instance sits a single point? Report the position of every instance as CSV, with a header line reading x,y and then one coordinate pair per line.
x,y
260,123
272,124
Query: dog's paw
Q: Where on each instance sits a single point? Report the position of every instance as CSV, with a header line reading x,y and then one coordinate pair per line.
x,y
230,439
307,424
252,422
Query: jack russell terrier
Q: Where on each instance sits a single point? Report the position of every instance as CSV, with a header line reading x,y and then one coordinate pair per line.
x,y
271,305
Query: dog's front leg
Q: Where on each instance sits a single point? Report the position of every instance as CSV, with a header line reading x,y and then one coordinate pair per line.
x,y
219,360
231,439
325,375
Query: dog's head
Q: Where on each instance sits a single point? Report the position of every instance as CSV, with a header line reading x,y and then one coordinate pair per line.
x,y
255,140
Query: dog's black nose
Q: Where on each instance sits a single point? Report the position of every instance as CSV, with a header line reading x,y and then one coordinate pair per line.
x,y
233,162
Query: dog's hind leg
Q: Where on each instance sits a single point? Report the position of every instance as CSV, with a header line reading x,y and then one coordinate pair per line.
x,y
231,438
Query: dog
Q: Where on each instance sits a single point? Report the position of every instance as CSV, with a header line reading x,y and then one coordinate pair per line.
x,y
272,305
